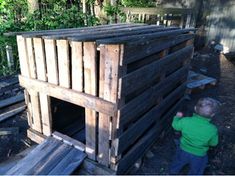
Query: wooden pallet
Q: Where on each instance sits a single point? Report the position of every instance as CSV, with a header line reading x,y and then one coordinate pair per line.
x,y
51,157
199,81
126,76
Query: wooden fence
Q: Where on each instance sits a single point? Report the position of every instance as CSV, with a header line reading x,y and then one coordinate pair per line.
x,y
184,18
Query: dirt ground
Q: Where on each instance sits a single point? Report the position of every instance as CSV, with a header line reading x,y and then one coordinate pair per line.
x,y
222,157
157,161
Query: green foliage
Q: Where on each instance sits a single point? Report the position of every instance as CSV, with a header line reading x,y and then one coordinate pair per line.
x,y
52,14
58,17
12,13
114,12
138,3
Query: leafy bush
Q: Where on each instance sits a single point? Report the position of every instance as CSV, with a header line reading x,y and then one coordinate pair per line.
x,y
52,14
114,12
138,3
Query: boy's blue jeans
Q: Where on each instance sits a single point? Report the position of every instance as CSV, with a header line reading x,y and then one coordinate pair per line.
x,y
197,164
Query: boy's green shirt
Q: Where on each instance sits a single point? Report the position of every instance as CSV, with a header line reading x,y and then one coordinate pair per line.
x,y
197,134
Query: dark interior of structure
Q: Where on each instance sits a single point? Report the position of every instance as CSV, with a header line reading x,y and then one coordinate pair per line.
x,y
68,119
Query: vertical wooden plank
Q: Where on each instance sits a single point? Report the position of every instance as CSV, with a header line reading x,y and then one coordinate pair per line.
x,y
29,108
37,123
25,71
116,129
63,63
109,79
31,58
40,58
44,103
77,66
22,50
90,87
51,61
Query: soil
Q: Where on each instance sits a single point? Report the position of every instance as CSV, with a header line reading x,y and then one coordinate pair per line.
x,y
222,157
158,159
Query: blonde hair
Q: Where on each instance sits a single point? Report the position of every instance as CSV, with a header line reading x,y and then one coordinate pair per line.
x,y
207,107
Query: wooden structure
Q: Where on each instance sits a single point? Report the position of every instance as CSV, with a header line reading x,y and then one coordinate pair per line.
x,y
199,81
112,88
182,17
52,157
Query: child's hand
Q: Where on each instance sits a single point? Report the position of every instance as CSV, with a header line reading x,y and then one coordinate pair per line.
x,y
179,114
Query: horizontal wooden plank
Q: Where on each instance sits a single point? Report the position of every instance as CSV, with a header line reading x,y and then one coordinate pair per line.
x,y
69,163
136,130
138,105
69,95
101,32
11,100
150,72
156,10
147,48
35,136
34,156
93,168
11,113
47,163
143,37
145,143
68,140
119,33
31,34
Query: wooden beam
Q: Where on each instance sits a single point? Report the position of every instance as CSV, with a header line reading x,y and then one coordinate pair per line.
x,y
77,66
135,131
68,140
137,106
35,136
11,100
147,48
109,77
44,100
51,61
11,113
90,87
69,95
63,63
51,33
140,148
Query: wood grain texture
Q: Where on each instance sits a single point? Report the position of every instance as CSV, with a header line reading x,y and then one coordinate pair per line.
x,y
109,79
35,136
41,151
31,58
153,115
63,63
47,163
23,57
138,105
51,61
90,87
149,47
77,66
151,72
44,100
69,163
145,143
52,156
69,95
